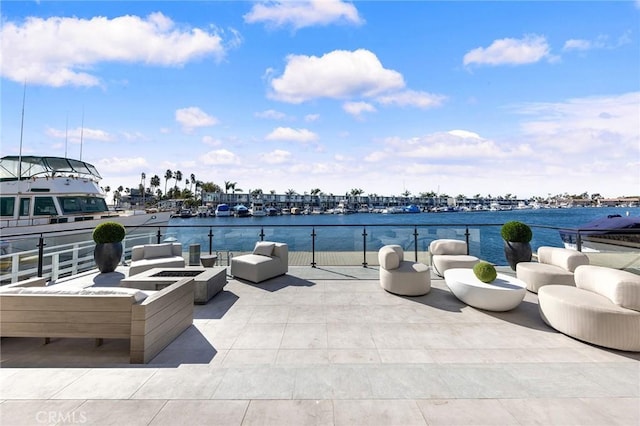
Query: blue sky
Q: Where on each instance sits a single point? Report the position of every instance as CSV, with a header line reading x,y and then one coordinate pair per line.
x,y
524,98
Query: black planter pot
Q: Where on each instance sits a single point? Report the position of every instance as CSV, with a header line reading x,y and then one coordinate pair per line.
x,y
107,256
516,253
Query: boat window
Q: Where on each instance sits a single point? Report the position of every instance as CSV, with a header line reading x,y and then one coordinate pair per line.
x,y
82,205
7,206
25,203
43,206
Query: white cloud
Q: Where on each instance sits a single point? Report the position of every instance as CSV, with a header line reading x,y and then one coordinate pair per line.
x,y
575,44
79,133
60,51
293,135
271,114
121,164
358,108
339,74
464,134
608,125
219,157
510,51
300,14
193,117
276,157
210,140
412,98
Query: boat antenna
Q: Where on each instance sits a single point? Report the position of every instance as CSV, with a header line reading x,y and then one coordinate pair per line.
x,y
81,133
24,96
66,135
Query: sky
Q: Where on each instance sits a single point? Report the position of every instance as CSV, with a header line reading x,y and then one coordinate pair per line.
x,y
523,98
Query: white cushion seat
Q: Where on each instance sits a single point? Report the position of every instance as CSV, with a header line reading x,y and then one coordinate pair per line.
x,y
555,265
267,260
402,277
450,254
603,308
149,256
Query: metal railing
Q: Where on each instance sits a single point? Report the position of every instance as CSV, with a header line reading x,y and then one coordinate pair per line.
x,y
483,240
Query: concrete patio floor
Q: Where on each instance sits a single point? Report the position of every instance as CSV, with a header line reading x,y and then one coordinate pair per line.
x,y
328,346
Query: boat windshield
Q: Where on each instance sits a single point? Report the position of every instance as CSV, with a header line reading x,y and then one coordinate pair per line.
x,y
82,205
27,167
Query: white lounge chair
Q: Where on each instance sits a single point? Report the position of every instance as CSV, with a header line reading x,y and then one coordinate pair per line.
x,y
403,277
448,254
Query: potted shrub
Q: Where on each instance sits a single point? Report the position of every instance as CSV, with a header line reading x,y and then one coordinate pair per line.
x,y
108,237
517,247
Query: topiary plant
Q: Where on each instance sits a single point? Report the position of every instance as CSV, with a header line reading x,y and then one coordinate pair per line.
x,y
485,272
108,232
516,232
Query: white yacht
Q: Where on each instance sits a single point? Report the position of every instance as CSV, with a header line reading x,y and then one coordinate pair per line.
x,y
222,210
257,209
55,194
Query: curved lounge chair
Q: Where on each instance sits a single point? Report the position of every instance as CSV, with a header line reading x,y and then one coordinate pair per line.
x,y
403,277
448,254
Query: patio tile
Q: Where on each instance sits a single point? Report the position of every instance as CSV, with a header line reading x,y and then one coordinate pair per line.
x,y
201,413
332,382
193,383
408,382
118,412
108,383
38,383
260,336
304,336
256,383
377,412
289,413
468,412
354,356
555,411
302,357
41,411
238,357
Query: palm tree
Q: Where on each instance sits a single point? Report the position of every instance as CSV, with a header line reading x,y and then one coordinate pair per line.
x,y
154,182
193,181
167,175
178,178
229,185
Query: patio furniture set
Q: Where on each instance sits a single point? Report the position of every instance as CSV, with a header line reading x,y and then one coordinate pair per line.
x,y
154,305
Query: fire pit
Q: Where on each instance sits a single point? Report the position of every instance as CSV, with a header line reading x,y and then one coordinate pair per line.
x,y
208,281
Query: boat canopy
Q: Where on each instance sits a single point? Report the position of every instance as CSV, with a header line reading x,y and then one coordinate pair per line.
x,y
27,167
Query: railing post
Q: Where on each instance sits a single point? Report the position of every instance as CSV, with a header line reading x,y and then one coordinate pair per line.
x,y
262,233
313,247
466,237
210,240
41,245
364,247
415,242
578,241
158,236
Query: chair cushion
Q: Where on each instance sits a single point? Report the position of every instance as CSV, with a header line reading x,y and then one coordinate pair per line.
x,y
390,256
566,259
158,250
138,295
264,248
537,275
621,287
447,246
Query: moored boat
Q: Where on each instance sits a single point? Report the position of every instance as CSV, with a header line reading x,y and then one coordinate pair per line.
x,y
241,211
61,195
612,232
257,209
222,210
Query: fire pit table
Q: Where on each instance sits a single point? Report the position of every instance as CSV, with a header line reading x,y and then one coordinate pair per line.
x,y
207,281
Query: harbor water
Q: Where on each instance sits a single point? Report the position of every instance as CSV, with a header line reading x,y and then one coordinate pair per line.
x,y
370,231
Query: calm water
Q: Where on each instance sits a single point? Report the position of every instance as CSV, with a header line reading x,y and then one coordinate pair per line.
x,y
240,234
